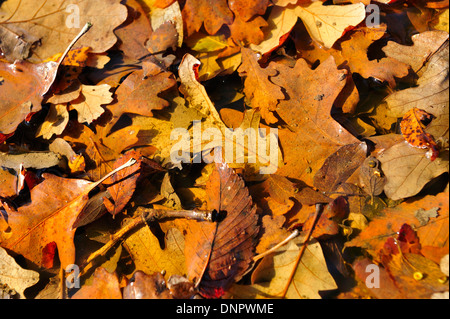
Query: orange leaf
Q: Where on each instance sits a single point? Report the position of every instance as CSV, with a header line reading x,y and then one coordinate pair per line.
x,y
104,286
413,131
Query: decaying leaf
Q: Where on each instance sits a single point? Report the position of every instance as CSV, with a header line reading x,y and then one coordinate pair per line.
x,y
259,90
413,131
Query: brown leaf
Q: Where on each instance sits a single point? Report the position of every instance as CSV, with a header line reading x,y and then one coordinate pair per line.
x,y
259,91
22,90
55,205
431,92
100,149
247,9
340,166
434,233
212,15
313,134
330,218
104,286
219,254
139,94
123,183
143,286
425,45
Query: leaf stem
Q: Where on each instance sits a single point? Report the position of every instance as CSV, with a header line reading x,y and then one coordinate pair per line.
x,y
319,209
147,215
83,31
294,234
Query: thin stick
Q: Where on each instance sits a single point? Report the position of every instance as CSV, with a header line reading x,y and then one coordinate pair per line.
x,y
83,31
294,234
319,208
148,215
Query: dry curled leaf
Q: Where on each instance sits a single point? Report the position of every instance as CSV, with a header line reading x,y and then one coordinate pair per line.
x,y
413,130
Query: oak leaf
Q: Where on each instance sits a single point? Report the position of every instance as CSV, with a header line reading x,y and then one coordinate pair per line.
x,y
139,94
259,91
92,97
327,24
431,92
202,12
433,234
312,131
48,220
100,149
22,90
281,21
412,128
105,285
248,9
15,276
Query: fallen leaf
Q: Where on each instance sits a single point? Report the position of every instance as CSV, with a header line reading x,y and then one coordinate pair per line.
x,y
99,148
425,45
150,257
248,9
55,122
312,131
217,255
104,286
88,105
431,92
123,183
55,23
139,94
22,90
15,276
327,24
259,91
434,233
202,12
143,286
55,204
339,166
281,21
412,127
272,277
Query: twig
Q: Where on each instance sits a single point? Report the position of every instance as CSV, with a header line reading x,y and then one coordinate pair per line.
x,y
83,31
294,234
148,215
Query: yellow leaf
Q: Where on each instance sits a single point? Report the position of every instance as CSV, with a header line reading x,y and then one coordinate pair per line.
x,y
88,105
272,277
55,122
148,256
281,21
327,24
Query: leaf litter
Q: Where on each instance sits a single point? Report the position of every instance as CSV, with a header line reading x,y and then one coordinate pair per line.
x,y
113,129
